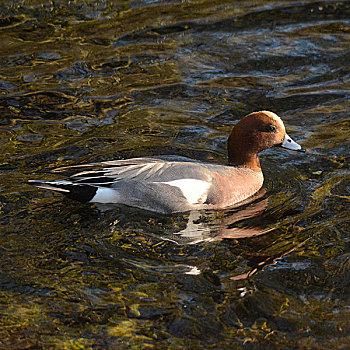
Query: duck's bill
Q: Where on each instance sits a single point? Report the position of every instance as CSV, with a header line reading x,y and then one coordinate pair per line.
x,y
290,144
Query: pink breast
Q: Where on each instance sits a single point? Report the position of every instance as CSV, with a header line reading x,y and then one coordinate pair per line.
x,y
234,187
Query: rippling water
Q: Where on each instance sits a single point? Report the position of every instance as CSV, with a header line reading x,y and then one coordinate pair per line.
x,y
90,81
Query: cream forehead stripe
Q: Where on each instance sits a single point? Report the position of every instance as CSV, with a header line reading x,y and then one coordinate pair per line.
x,y
276,118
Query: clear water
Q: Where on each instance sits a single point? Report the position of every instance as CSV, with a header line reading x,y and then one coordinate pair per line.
x,y
89,81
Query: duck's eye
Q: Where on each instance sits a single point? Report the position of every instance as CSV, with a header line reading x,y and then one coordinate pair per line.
x,y
271,128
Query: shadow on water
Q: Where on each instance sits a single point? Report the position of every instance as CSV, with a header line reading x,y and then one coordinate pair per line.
x,y
91,81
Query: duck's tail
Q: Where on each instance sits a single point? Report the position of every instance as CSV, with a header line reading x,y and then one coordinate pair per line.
x,y
80,192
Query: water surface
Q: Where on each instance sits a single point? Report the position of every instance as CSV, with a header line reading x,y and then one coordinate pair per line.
x,y
90,81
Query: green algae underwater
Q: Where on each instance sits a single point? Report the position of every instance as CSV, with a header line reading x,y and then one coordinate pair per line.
x,y
85,81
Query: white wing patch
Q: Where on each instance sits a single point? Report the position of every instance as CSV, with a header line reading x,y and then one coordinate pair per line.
x,y
106,195
195,191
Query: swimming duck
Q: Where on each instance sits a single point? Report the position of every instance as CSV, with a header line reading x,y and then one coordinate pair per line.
x,y
169,184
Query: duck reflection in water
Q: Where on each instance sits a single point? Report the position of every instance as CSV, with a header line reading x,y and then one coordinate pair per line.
x,y
248,220
199,229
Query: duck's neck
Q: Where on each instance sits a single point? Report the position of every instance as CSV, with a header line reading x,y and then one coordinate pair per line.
x,y
244,158
246,161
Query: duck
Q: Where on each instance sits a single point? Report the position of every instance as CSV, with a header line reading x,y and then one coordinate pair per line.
x,y
173,184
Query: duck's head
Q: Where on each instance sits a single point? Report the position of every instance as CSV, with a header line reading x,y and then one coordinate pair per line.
x,y
254,133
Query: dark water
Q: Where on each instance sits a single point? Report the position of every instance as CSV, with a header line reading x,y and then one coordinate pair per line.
x,y
85,81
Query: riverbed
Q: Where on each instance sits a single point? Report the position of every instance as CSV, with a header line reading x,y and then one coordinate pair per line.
x,y
91,81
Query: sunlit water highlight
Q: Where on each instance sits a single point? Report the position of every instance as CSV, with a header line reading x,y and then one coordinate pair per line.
x,y
90,81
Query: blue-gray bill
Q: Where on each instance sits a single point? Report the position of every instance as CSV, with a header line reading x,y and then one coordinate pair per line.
x,y
288,143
